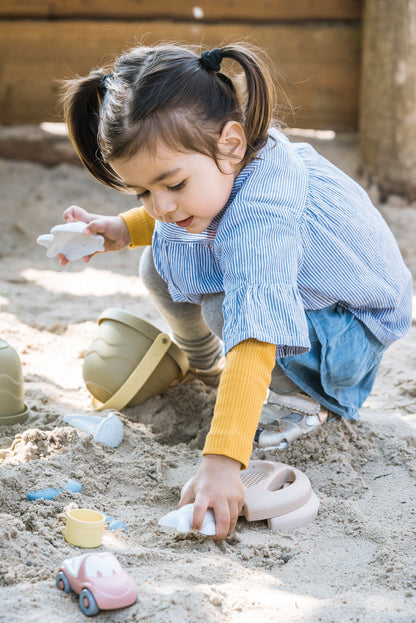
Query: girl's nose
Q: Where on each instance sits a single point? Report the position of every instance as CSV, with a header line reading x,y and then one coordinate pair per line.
x,y
163,206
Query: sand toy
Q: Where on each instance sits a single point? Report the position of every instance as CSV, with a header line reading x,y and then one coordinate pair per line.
x,y
117,524
99,580
273,491
114,524
279,493
70,240
129,360
107,430
49,493
13,409
181,520
84,527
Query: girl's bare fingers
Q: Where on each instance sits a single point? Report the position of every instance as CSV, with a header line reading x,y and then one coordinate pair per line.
x,y
62,259
187,498
222,521
234,512
96,226
200,508
75,213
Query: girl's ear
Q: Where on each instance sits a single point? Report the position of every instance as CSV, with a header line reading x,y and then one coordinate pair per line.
x,y
232,145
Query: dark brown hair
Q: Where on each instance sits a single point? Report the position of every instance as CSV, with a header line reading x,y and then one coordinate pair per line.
x,y
165,93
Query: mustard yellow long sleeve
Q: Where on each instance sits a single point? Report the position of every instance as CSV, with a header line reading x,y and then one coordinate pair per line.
x,y
241,394
140,226
244,381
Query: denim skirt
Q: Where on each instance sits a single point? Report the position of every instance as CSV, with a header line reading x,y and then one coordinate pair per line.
x,y
340,368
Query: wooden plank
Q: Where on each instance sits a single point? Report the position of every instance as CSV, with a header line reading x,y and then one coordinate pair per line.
x,y
245,10
321,63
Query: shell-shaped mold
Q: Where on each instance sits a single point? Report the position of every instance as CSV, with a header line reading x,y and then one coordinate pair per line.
x,y
70,240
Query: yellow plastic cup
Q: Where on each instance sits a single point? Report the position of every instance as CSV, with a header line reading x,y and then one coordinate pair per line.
x,y
84,527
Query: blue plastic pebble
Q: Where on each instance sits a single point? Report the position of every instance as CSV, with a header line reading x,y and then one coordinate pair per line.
x,y
109,518
73,485
117,524
48,494
44,494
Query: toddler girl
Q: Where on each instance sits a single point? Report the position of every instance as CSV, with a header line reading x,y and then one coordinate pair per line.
x,y
259,249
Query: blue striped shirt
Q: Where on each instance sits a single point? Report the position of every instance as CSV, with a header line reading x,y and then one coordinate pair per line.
x,y
296,233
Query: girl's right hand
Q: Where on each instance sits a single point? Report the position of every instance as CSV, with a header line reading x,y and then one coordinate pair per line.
x,y
113,229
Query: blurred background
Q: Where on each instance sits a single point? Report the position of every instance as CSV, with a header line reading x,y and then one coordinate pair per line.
x,y
344,65
314,43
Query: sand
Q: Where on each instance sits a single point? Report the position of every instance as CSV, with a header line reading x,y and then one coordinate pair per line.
x,y
356,562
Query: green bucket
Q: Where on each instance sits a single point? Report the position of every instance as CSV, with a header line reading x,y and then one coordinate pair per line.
x,y
13,409
129,360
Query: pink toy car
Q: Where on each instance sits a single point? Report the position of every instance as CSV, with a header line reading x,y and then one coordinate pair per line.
x,y
99,580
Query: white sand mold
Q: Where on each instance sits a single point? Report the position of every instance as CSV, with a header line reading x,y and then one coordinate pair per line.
x,y
108,430
181,520
70,240
274,491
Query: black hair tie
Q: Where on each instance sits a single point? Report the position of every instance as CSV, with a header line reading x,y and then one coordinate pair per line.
x,y
211,59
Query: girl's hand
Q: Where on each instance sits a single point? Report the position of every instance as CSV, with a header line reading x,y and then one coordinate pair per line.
x,y
216,485
112,228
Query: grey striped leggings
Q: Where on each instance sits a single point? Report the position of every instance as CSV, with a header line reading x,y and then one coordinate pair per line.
x,y
197,329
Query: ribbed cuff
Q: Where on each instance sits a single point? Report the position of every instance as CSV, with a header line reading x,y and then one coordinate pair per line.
x,y
140,226
241,393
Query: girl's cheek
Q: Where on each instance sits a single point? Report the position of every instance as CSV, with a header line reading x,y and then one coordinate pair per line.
x,y
149,211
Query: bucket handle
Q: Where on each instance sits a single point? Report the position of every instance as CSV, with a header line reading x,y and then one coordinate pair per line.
x,y
138,377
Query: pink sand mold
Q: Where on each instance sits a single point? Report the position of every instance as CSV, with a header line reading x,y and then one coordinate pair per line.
x,y
99,580
107,430
274,491
69,240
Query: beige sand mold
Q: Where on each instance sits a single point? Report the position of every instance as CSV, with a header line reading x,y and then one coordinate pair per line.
x,y
13,409
129,360
279,493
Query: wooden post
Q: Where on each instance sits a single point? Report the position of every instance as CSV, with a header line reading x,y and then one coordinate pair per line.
x,y
388,96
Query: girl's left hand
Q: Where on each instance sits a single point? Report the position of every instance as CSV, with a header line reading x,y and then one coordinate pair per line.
x,y
216,485
112,228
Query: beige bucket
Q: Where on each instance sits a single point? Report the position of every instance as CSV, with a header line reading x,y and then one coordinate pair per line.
x,y
12,403
129,361
84,527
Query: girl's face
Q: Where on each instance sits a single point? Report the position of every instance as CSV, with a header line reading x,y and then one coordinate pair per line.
x,y
183,188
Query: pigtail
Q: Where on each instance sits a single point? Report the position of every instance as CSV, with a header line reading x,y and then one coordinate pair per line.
x,y
167,93
82,100
260,96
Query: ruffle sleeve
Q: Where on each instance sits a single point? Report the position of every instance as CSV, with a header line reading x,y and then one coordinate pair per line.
x,y
259,248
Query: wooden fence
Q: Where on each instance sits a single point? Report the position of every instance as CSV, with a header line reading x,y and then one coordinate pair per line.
x,y
315,44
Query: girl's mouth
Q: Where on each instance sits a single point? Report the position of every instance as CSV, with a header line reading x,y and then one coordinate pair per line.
x,y
186,222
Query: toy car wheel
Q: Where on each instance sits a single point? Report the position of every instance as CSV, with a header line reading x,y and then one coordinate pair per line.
x,y
87,603
62,582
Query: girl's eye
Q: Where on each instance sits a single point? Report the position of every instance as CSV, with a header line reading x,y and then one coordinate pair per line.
x,y
177,186
141,195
